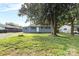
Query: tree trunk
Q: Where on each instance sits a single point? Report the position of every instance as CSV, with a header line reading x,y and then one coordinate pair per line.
x,y
55,28
53,21
72,27
55,25
52,27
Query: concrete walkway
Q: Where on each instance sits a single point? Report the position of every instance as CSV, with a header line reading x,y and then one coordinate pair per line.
x,y
4,35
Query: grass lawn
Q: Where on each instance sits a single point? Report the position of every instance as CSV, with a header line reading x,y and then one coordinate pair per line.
x,y
40,45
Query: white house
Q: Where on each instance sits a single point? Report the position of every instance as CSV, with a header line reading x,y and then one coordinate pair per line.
x,y
65,29
37,29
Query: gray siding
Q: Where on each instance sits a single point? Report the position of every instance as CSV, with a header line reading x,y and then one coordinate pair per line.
x,y
45,29
33,29
29,29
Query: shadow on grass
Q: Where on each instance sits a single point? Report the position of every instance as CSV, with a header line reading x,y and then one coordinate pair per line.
x,y
65,40
49,40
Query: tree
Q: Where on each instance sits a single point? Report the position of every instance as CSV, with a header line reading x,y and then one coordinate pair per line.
x,y
46,13
72,15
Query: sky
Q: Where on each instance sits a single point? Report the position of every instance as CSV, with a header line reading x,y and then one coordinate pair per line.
x,y
9,13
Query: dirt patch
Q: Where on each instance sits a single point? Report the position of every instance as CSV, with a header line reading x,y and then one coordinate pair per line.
x,y
72,52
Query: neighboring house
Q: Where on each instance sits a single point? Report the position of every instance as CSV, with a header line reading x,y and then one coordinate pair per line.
x,y
9,28
37,29
67,28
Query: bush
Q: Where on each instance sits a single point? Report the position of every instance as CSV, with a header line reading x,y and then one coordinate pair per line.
x,y
21,35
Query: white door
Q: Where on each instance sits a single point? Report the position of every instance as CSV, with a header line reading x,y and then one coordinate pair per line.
x,y
37,29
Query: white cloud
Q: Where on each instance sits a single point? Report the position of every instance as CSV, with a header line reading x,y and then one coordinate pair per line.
x,y
10,7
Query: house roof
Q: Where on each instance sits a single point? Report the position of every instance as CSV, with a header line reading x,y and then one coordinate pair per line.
x,y
76,26
38,26
9,26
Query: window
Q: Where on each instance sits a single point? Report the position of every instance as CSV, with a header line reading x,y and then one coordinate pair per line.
x,y
49,27
25,28
41,27
33,27
65,28
46,27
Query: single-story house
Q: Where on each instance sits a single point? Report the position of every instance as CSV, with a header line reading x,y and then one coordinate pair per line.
x,y
67,28
9,28
37,29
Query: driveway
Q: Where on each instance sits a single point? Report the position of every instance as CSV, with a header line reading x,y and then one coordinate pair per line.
x,y
4,35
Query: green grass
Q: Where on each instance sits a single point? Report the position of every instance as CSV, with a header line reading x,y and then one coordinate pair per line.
x,y
40,45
